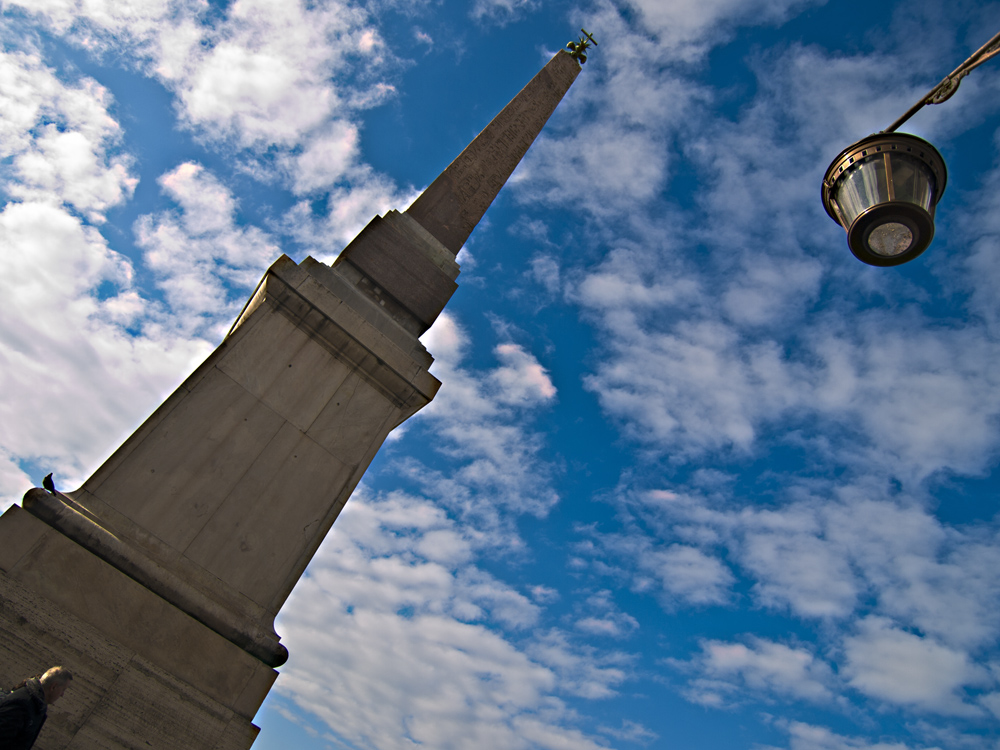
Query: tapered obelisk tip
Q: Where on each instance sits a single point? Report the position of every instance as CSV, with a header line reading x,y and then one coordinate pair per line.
x,y
406,262
455,202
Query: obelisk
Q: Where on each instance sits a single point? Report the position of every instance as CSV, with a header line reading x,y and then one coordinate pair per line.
x,y
157,582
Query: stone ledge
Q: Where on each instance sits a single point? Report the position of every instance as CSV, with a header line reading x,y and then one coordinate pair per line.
x,y
162,582
81,610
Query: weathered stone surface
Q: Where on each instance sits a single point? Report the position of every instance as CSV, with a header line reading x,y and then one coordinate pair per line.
x,y
340,428
287,380
267,521
302,392
397,263
176,477
77,582
145,674
247,632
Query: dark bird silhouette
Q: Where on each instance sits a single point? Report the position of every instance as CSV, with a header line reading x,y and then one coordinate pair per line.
x,y
48,484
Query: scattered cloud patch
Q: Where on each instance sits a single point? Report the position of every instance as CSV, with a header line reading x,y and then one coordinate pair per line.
x,y
688,575
904,668
727,671
804,736
483,419
416,659
600,616
521,379
500,12
205,262
689,29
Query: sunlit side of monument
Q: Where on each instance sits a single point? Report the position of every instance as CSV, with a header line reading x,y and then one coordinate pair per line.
x,y
157,582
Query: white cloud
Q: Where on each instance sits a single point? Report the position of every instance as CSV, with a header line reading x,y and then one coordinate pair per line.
x,y
65,167
208,207
925,574
446,339
348,211
423,38
267,75
60,138
585,672
89,17
769,291
521,379
614,168
761,668
697,388
626,278
689,28
804,736
793,565
544,269
920,396
606,151
917,399
204,261
544,594
326,158
260,73
482,418
904,605
899,667
282,81
500,11
980,230
830,558
81,352
689,575
992,703
415,660
600,616
631,731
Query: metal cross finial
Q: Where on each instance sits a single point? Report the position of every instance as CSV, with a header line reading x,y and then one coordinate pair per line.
x,y
577,49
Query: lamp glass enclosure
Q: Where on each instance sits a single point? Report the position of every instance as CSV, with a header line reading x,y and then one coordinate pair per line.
x,y
883,190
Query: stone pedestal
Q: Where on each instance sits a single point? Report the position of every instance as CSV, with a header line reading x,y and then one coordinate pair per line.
x,y
157,582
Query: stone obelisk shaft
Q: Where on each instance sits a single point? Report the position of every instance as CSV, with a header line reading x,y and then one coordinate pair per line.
x,y
158,581
455,202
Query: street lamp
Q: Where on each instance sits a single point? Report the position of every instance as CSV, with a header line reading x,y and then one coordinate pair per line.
x,y
883,189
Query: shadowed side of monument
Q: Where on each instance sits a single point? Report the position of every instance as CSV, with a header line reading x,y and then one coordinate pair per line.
x,y
157,582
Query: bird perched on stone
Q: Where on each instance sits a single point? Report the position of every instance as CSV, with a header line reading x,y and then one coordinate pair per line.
x,y
48,484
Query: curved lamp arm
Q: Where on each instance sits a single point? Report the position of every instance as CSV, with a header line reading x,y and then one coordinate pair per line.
x,y
944,90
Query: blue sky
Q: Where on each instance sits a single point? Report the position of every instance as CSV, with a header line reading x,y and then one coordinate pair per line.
x,y
696,477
